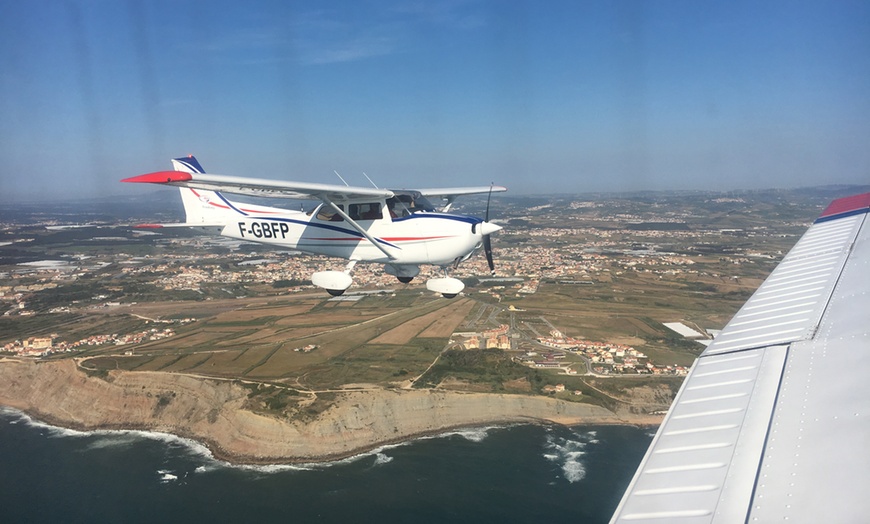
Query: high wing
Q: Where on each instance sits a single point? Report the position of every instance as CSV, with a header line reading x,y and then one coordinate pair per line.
x,y
264,187
260,187
773,421
448,192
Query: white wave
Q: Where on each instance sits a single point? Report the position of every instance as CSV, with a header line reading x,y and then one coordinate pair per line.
x,y
108,438
166,476
268,468
474,434
574,469
53,431
113,441
11,413
568,453
376,452
17,416
381,458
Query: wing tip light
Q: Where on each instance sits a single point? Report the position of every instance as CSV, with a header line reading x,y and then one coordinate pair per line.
x,y
160,177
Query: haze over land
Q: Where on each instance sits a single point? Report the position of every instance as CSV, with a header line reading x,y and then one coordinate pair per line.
x,y
542,98
183,332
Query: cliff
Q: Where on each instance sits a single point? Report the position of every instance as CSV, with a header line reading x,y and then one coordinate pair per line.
x,y
213,412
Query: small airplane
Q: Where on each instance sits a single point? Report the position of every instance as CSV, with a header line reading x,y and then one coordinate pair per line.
x,y
398,228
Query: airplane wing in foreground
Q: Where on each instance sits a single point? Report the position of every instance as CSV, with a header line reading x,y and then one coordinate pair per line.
x,y
773,421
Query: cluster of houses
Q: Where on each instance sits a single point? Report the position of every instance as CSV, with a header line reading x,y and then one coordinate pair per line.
x,y
44,346
492,339
559,388
604,357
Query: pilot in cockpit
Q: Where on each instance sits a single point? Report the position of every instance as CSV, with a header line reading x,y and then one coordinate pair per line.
x,y
406,203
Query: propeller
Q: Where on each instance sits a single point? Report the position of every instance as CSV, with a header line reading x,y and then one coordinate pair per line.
x,y
487,245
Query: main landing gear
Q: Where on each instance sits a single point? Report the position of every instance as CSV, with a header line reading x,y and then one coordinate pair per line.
x,y
448,287
336,282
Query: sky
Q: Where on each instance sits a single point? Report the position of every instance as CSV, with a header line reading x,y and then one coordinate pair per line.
x,y
541,97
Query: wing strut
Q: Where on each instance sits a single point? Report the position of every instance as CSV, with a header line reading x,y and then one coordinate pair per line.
x,y
359,228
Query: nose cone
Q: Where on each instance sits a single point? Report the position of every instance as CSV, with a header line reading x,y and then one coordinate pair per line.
x,y
488,228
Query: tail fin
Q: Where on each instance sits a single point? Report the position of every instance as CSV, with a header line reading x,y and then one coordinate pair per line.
x,y
202,206
187,164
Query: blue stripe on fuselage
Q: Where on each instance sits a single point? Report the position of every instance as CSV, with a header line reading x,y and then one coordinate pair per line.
x,y
444,216
330,227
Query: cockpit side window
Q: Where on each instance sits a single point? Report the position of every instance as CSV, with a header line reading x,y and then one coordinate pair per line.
x,y
422,204
399,206
406,203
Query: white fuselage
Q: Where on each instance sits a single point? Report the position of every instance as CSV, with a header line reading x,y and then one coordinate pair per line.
x,y
419,238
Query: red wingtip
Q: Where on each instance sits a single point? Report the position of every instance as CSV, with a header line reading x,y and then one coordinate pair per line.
x,y
147,226
847,204
161,177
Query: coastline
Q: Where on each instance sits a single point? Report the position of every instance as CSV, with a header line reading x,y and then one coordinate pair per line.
x,y
212,412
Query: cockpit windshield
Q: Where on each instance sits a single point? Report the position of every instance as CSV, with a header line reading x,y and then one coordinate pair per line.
x,y
407,202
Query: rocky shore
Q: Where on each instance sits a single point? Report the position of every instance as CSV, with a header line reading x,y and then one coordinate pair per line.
x,y
213,412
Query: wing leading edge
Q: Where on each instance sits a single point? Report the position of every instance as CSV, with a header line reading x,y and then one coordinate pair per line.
x,y
772,421
263,187
260,187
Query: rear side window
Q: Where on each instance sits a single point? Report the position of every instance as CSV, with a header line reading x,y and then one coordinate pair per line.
x,y
367,211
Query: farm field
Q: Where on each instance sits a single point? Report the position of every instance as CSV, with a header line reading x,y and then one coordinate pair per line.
x,y
361,341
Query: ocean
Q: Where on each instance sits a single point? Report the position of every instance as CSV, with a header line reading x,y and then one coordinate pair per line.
x,y
517,473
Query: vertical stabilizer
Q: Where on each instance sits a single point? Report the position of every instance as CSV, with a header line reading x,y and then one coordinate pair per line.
x,y
188,164
202,206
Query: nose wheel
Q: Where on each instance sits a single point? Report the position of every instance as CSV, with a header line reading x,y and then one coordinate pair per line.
x,y
405,273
